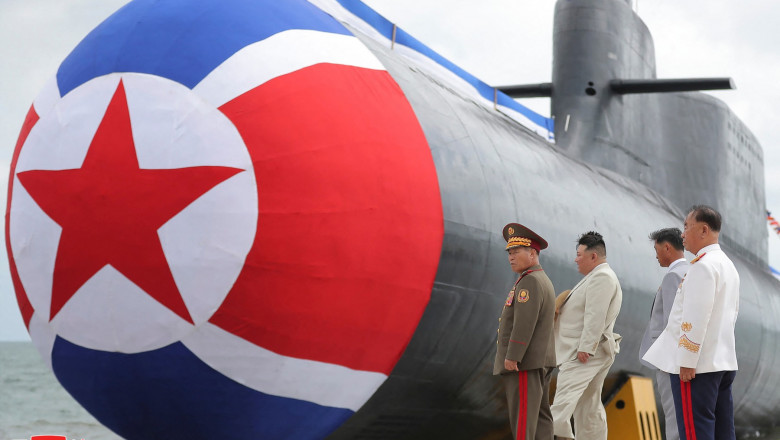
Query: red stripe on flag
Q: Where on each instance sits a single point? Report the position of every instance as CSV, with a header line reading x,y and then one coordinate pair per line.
x,y
350,222
21,296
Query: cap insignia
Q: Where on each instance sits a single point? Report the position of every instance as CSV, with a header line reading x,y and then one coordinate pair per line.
x,y
518,241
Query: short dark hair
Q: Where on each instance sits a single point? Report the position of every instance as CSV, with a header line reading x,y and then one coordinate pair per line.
x,y
593,241
706,214
673,236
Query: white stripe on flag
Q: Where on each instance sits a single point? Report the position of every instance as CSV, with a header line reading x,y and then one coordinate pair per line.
x,y
47,98
265,371
43,336
279,55
432,68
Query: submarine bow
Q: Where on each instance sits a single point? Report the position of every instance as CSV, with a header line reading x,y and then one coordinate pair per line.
x,y
223,219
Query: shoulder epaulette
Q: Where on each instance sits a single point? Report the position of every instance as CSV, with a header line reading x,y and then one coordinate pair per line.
x,y
698,258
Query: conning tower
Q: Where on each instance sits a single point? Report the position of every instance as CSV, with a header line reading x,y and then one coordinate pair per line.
x,y
610,110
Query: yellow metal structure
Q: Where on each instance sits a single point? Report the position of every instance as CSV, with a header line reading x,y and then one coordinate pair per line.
x,y
632,414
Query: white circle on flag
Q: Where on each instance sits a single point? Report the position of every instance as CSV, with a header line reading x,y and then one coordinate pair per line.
x,y
205,244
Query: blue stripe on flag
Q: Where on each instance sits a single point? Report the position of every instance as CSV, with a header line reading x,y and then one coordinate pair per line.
x,y
170,393
385,27
183,40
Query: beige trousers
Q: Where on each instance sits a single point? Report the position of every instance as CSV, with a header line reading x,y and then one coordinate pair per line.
x,y
578,394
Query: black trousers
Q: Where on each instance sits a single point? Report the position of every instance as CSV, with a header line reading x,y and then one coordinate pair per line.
x,y
704,407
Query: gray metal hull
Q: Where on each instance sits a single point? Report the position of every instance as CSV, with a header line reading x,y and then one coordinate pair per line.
x,y
492,171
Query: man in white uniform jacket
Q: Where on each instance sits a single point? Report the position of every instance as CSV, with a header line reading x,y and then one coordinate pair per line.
x,y
585,344
697,346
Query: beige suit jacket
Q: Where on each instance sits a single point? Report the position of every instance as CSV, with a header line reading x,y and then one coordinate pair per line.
x,y
587,318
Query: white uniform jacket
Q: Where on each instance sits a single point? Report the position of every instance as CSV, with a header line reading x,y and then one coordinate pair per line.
x,y
662,305
700,331
588,315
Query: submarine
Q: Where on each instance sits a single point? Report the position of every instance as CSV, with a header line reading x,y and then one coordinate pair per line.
x,y
631,154
360,292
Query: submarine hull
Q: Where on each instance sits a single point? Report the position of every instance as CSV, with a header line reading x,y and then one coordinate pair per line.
x,y
493,171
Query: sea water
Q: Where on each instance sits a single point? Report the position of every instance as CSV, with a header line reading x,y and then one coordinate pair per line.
x,y
32,402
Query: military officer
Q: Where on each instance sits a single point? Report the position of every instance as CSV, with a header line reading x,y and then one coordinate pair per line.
x,y
526,349
697,347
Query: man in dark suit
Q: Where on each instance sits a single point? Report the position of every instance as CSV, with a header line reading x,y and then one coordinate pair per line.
x,y
669,252
525,354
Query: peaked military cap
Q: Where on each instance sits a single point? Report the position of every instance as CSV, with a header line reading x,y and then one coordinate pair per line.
x,y
517,235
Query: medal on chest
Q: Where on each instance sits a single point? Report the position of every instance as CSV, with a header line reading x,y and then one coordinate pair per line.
x,y
510,297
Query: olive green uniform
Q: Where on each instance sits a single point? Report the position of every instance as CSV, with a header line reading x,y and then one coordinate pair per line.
x,y
525,335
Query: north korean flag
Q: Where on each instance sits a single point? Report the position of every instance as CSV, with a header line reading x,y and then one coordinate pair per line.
x,y
223,221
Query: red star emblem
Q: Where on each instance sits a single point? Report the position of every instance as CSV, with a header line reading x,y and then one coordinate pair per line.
x,y
110,210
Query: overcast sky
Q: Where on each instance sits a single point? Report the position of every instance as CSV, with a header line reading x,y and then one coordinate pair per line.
x,y
499,41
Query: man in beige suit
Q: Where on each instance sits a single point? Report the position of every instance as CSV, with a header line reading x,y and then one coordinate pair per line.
x,y
585,344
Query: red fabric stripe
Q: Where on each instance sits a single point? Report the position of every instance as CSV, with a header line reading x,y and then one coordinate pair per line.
x,y
690,405
687,409
21,296
344,171
522,417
